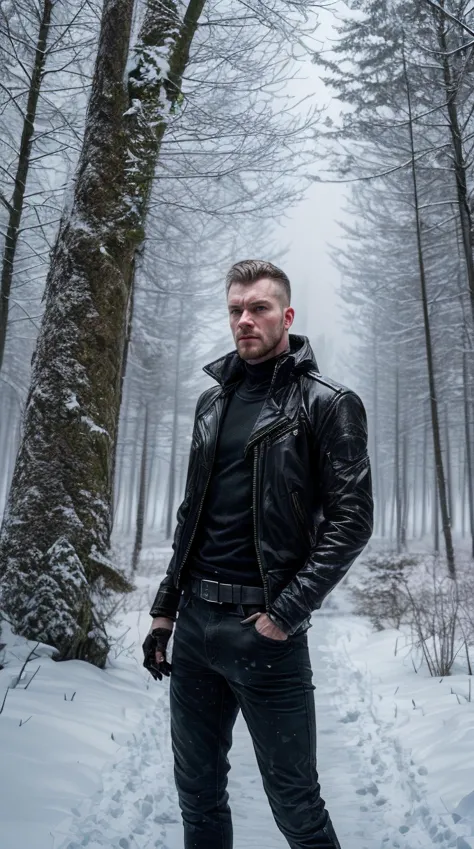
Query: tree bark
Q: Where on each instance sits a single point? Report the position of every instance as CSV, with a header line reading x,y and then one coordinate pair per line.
x,y
56,533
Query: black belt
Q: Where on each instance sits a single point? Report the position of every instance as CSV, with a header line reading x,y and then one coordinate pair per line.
x,y
227,593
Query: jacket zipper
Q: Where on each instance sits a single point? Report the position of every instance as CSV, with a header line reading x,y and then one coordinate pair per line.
x,y
257,549
188,549
254,494
293,428
262,434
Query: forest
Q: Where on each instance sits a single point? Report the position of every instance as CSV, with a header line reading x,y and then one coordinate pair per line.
x,y
145,147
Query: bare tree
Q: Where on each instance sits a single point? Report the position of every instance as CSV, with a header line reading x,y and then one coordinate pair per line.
x,y
43,45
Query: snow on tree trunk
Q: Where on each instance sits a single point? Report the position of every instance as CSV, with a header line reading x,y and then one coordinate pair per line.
x,y
59,512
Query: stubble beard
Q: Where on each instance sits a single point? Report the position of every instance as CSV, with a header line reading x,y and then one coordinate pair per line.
x,y
264,347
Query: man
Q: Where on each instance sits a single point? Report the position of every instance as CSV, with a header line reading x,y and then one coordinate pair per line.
x,y
277,506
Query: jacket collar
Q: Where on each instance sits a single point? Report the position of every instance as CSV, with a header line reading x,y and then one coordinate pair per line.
x,y
229,369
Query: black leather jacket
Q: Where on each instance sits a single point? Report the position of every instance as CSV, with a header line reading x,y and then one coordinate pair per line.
x,y
312,493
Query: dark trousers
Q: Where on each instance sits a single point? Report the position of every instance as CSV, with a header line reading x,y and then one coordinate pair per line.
x,y
219,667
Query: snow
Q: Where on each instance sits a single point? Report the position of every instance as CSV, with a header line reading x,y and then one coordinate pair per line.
x,y
72,403
86,758
134,109
152,60
93,426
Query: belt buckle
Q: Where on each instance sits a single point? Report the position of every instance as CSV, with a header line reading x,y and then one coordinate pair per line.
x,y
210,590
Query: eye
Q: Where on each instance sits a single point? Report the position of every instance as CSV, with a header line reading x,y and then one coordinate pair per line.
x,y
261,307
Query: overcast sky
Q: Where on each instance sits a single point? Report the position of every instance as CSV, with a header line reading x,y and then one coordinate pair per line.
x,y
311,229
314,278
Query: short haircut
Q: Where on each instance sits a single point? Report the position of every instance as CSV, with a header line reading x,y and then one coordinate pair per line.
x,y
251,270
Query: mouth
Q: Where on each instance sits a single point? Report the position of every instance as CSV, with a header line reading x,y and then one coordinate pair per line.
x,y
246,338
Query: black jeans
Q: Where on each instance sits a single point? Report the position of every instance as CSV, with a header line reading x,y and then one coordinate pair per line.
x,y
219,667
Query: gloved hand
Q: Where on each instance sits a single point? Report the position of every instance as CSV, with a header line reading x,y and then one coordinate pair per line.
x,y
157,641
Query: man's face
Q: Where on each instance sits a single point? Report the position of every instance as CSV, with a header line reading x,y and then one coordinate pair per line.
x,y
259,320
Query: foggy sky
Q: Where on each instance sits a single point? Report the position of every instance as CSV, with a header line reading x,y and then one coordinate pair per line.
x,y
313,227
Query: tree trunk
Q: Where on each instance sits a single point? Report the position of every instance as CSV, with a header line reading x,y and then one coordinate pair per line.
x,y
468,438
396,471
56,533
404,488
415,490
424,498
142,497
15,206
133,479
459,160
9,441
435,511
393,504
449,474
375,427
446,522
157,493
464,499
128,333
174,433
154,466
383,506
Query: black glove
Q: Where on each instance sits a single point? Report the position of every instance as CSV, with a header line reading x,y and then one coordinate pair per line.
x,y
157,641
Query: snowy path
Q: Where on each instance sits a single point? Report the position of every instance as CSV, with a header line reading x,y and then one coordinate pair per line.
x,y
375,794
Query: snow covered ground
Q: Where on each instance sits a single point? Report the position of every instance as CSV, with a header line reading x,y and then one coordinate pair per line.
x,y
86,761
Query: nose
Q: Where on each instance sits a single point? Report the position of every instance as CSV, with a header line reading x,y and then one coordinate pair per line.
x,y
245,320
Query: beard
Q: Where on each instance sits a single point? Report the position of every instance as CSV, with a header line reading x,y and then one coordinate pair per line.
x,y
255,349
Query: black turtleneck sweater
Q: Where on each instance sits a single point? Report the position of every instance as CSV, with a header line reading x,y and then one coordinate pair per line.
x,y
224,546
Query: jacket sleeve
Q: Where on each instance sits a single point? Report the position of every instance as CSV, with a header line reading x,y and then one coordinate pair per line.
x,y
345,487
168,595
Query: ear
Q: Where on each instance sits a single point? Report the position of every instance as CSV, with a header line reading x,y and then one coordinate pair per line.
x,y
289,315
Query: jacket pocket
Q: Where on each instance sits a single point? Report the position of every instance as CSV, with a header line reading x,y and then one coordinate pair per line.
x,y
301,517
298,510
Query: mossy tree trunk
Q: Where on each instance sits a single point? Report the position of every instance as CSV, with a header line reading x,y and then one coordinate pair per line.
x,y
55,536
